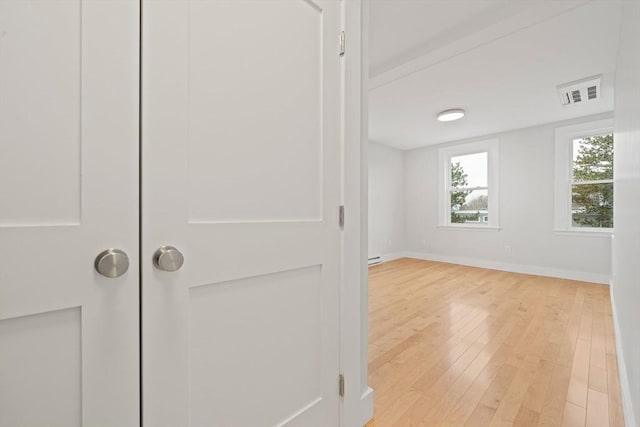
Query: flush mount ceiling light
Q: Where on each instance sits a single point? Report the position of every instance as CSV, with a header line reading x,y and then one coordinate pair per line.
x,y
450,115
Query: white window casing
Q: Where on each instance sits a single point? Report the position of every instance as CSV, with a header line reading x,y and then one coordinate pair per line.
x,y
489,146
563,175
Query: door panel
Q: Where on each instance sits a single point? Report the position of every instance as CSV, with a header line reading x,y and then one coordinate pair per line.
x,y
241,173
68,190
25,340
267,68
288,361
41,57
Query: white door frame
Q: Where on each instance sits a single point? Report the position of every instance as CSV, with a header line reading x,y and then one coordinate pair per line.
x,y
357,406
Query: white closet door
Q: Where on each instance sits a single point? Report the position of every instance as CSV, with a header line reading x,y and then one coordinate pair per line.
x,y
240,174
68,190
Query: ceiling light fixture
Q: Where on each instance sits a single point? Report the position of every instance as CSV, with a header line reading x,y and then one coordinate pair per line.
x,y
450,115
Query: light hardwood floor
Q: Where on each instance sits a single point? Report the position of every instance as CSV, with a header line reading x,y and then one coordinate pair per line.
x,y
460,346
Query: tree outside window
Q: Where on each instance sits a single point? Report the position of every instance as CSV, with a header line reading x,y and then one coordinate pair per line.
x,y
459,197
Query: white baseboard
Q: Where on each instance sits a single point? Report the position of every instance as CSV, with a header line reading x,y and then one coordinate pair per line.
x,y
514,268
627,407
366,407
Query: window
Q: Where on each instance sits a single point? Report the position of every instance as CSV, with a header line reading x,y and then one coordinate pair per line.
x,y
584,177
469,185
592,183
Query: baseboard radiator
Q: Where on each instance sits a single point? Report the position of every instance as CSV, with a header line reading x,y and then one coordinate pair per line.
x,y
374,260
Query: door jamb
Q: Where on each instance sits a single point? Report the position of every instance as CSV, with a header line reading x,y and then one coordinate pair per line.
x,y
357,403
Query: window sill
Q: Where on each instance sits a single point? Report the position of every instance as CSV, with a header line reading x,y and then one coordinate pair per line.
x,y
470,227
607,234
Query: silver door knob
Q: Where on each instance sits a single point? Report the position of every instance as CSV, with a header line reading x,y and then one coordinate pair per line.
x,y
168,258
112,263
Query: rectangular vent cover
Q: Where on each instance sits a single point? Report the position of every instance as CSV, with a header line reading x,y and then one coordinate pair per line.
x,y
580,91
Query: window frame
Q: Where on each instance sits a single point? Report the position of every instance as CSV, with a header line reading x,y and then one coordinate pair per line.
x,y
563,177
489,146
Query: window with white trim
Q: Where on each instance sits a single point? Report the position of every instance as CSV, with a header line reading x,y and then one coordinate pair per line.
x,y
584,177
469,185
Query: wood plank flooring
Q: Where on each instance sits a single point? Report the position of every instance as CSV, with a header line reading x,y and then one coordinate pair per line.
x,y
460,346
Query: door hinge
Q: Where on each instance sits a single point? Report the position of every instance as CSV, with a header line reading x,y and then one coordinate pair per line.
x,y
342,43
341,385
341,216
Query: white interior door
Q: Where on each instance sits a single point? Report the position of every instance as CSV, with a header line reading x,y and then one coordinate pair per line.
x,y
68,190
240,172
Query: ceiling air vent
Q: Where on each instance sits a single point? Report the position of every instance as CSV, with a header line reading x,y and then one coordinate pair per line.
x,y
580,91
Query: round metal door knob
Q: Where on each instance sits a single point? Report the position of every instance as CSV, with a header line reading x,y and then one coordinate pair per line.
x,y
168,258
112,263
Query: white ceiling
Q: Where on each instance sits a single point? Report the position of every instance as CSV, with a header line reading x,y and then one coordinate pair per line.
x,y
499,60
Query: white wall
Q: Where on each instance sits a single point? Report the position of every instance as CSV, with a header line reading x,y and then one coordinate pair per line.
x,y
626,244
386,201
526,241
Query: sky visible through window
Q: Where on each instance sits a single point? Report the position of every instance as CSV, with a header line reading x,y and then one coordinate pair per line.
x,y
475,166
